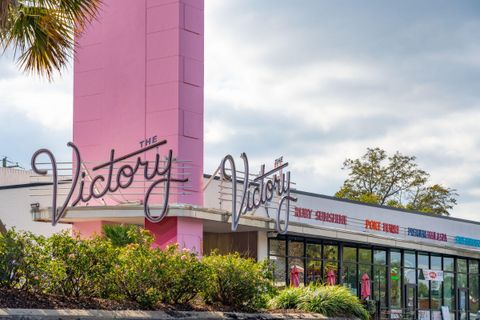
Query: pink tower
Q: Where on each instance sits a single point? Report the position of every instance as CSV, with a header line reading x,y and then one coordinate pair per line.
x,y
138,74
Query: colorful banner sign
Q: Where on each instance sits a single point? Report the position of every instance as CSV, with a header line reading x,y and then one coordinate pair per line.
x,y
432,275
426,234
382,226
320,215
467,241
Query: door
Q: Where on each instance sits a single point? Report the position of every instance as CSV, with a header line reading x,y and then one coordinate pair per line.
x,y
410,302
462,304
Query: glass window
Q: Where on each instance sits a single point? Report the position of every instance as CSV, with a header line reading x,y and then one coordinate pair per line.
x,y
330,266
409,259
423,261
380,284
474,295
278,264
472,266
395,289
330,252
295,249
436,292
314,250
395,258
380,257
409,275
349,254
447,264
314,271
350,276
423,292
296,271
461,280
364,268
277,247
436,262
365,255
448,291
462,265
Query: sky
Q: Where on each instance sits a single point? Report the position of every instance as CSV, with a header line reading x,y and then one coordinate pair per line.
x,y
315,82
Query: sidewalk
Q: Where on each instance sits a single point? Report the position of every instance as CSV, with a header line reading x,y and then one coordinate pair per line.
x,y
26,314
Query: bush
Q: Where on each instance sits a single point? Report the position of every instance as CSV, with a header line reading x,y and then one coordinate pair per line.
x,y
20,259
120,234
77,267
331,301
237,282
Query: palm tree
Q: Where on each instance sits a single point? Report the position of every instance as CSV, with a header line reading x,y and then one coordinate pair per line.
x,y
42,32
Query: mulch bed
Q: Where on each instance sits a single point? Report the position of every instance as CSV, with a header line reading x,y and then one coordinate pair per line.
x,y
13,298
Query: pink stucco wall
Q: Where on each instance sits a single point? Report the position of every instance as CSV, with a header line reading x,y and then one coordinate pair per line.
x,y
138,73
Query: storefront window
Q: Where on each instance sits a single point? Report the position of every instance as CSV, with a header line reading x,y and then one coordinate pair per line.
x,y
395,288
474,295
436,262
448,291
314,271
330,266
330,252
472,266
380,284
423,261
296,270
409,276
409,259
365,255
462,280
447,264
462,265
423,294
380,257
436,292
277,247
295,249
314,251
350,277
349,254
278,264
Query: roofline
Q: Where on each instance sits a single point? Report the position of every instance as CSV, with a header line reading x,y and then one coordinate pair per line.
x,y
318,195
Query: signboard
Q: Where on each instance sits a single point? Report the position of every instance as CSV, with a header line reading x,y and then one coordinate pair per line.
x,y
117,173
258,191
432,275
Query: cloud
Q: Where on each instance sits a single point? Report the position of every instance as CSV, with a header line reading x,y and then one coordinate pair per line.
x,y
316,82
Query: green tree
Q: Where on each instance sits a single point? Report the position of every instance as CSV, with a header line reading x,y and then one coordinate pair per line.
x,y
394,181
42,32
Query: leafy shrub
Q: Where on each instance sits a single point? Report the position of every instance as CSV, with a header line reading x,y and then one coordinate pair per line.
x,y
237,282
289,298
186,275
77,267
331,301
19,258
120,234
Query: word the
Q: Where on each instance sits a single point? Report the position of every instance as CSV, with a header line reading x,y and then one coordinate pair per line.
x,y
419,233
148,141
116,178
320,215
379,226
258,192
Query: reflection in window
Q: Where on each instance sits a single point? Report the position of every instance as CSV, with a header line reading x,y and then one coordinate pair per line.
x,y
277,247
448,264
330,266
380,257
409,259
314,250
314,271
436,292
380,284
365,256
436,262
474,295
330,252
423,261
448,290
296,271
462,265
278,264
350,276
295,249
350,254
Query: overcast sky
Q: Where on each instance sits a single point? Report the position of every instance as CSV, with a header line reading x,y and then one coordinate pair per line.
x,y
316,82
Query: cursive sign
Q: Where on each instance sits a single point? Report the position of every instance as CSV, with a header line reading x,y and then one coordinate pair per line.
x,y
258,192
124,177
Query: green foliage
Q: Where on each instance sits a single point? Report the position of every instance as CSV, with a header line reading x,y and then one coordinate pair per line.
x,y
120,234
394,181
78,267
19,258
331,301
42,31
237,282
